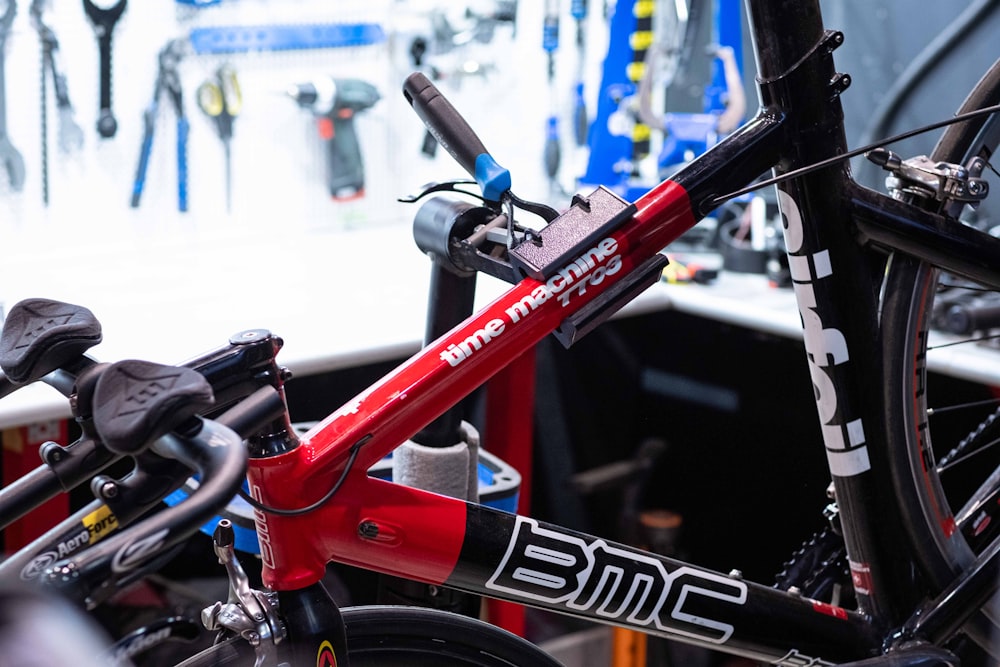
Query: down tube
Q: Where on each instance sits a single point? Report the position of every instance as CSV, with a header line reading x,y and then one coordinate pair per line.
x,y
542,565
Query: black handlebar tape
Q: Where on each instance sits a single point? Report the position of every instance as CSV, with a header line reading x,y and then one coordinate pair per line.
x,y
136,402
40,335
456,135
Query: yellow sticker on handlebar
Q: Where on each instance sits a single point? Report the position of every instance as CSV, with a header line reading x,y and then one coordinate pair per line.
x,y
100,523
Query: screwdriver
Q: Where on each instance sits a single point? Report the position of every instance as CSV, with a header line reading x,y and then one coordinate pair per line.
x,y
220,99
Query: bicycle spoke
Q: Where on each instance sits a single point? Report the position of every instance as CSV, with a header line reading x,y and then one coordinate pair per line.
x,y
965,456
962,406
964,341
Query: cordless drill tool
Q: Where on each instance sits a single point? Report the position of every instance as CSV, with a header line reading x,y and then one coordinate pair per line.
x,y
334,102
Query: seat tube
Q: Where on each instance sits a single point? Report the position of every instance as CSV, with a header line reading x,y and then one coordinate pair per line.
x,y
836,288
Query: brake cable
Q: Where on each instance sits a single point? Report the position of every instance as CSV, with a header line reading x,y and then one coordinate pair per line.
x,y
257,505
808,169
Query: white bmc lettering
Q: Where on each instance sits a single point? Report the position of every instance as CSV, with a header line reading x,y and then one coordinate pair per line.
x,y
825,347
615,583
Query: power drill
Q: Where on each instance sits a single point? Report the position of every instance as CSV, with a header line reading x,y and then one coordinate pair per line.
x,y
334,102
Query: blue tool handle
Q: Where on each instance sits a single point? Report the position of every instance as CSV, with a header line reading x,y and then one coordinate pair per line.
x,y
455,134
144,151
182,165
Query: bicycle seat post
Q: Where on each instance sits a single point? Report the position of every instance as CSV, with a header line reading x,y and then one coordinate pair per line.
x,y
444,456
451,296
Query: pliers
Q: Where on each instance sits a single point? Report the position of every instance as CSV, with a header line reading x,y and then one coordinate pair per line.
x,y
167,80
10,158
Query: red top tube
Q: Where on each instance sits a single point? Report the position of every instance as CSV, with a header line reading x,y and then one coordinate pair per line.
x,y
296,549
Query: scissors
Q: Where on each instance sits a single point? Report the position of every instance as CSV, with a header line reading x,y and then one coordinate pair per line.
x,y
220,99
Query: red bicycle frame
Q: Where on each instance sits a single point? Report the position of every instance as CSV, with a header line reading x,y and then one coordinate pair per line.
x,y
402,531
420,534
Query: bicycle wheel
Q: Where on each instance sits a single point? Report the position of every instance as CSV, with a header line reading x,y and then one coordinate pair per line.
x,y
387,636
945,494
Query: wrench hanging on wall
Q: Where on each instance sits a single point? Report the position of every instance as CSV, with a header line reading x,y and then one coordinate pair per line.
x,y
70,134
10,158
104,20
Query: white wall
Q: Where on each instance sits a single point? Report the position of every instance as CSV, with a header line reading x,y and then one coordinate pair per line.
x,y
277,162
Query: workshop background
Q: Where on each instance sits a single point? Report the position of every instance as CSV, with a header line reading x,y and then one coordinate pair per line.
x,y
490,58
690,380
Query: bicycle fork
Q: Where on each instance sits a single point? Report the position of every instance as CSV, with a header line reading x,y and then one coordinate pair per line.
x,y
320,637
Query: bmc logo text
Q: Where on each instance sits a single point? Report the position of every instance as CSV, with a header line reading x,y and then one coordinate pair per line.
x,y
613,583
826,347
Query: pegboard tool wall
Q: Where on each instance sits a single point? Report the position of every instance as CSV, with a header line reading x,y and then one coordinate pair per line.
x,y
278,163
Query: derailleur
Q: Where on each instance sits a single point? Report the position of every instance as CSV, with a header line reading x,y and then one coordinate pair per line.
x,y
248,613
952,184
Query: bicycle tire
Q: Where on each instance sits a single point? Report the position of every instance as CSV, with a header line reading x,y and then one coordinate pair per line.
x,y
939,544
390,636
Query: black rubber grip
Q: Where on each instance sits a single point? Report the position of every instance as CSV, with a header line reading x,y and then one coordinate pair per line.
x,y
443,121
40,335
136,402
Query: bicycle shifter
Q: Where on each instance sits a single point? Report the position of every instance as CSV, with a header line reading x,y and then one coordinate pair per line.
x,y
250,614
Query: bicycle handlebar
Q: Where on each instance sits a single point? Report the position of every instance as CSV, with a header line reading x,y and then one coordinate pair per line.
x,y
235,371
217,454
139,402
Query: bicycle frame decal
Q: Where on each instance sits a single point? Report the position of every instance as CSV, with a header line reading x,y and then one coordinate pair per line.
x,y
552,567
93,527
134,554
796,659
861,577
574,277
846,450
263,534
590,268
326,657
